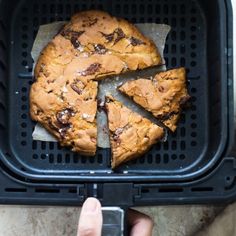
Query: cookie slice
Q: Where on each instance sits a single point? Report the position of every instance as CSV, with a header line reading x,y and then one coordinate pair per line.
x,y
91,46
131,135
164,95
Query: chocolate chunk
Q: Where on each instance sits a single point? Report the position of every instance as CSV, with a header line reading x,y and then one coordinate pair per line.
x,y
75,42
50,81
167,115
134,41
71,33
72,36
62,131
92,21
92,69
161,89
108,37
38,111
116,135
120,35
100,49
64,116
76,89
118,132
89,22
59,127
116,139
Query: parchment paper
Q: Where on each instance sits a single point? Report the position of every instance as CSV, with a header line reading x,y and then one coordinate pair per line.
x,y
157,32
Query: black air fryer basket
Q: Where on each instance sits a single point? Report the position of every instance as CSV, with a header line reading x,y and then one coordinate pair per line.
x,y
195,164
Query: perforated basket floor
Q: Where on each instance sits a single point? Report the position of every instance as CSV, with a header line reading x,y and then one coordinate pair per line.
x,y
187,153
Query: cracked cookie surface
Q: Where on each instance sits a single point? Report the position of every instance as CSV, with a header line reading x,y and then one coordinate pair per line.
x,y
131,135
91,46
164,95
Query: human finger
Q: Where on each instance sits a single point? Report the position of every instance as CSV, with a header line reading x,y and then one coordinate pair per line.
x,y
90,222
141,224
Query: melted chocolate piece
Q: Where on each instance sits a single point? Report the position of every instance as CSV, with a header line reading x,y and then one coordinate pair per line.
x,y
134,41
167,115
50,81
92,21
108,37
116,138
71,33
62,131
64,116
60,128
100,49
76,89
116,135
72,36
120,35
118,132
161,89
92,69
89,22
75,42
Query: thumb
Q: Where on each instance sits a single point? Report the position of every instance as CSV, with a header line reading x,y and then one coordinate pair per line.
x,y
90,222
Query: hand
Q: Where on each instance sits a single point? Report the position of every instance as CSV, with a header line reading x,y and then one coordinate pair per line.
x,y
90,222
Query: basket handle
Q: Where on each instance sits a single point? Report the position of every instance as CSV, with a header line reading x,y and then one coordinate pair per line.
x,y
114,221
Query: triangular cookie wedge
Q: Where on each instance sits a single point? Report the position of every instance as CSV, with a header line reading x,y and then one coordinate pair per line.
x,y
131,135
89,47
164,95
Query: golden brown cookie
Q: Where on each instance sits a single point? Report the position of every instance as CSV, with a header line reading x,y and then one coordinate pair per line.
x,y
92,45
163,95
131,135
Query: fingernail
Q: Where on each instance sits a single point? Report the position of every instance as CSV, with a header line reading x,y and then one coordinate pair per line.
x,y
90,205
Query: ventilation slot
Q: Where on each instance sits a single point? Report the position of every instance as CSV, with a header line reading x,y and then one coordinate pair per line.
x,y
202,189
16,190
170,190
46,190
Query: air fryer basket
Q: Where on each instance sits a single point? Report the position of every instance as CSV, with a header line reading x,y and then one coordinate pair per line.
x,y
200,40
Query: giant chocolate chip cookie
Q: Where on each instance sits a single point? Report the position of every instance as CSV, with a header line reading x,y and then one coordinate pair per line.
x,y
91,46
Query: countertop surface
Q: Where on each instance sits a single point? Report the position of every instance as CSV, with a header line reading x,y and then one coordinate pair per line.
x,y
62,221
